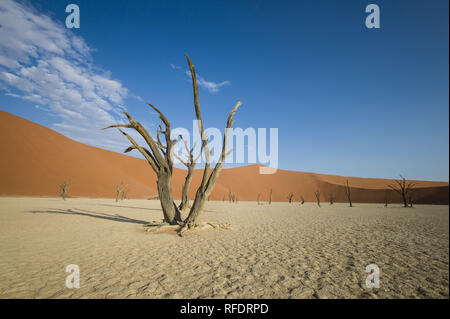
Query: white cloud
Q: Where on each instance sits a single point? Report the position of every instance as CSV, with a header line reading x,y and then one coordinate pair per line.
x,y
209,85
43,62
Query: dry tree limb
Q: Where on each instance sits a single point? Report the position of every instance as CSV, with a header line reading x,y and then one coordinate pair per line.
x,y
159,157
190,165
270,197
208,179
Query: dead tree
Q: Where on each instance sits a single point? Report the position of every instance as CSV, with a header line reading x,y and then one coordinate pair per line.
x,y
229,196
302,199
223,199
270,197
209,179
124,194
403,188
317,193
348,192
386,199
159,157
331,199
119,190
259,197
65,186
289,197
190,165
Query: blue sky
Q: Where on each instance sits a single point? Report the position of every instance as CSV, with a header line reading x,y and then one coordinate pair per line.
x,y
347,100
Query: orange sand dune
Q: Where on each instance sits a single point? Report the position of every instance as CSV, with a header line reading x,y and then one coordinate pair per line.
x,y
35,159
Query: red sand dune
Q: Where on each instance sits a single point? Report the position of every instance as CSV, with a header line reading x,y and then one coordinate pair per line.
x,y
35,159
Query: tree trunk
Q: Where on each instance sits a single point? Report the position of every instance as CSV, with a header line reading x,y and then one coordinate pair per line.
x,y
193,220
405,202
184,193
170,210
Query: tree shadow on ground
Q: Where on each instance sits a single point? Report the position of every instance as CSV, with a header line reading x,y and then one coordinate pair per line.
x,y
88,213
131,207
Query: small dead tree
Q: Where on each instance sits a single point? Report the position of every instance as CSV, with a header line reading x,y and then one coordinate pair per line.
x,y
65,186
349,195
190,165
331,199
124,194
259,197
289,197
317,194
270,197
229,197
120,189
386,199
209,179
302,199
404,188
223,199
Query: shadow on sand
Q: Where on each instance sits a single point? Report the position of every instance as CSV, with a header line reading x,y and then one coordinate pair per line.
x,y
88,213
131,207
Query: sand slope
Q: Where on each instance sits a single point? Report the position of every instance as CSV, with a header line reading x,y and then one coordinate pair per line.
x,y
36,159
271,251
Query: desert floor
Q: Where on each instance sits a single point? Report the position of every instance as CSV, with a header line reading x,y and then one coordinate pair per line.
x,y
271,251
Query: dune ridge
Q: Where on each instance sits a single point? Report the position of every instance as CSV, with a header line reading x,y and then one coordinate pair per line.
x,y
35,159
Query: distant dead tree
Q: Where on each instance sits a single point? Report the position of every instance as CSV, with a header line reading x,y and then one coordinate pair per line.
x,y
302,199
403,187
289,197
124,194
331,199
259,197
270,197
190,165
65,186
317,194
349,195
119,190
230,197
386,199
223,199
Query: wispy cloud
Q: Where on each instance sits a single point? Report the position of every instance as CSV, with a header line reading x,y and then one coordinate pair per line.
x,y
43,62
212,87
